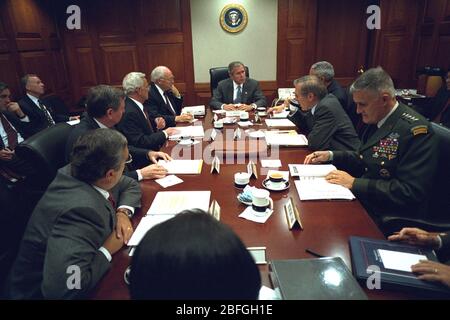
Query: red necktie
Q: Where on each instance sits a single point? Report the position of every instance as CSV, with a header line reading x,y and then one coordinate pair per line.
x,y
112,201
10,132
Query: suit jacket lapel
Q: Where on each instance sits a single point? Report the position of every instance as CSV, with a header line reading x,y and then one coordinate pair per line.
x,y
385,129
229,91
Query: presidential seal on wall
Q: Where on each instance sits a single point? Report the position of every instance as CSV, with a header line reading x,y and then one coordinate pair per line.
x,y
233,18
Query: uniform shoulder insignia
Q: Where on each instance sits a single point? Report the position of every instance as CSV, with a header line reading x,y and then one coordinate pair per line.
x,y
423,129
408,117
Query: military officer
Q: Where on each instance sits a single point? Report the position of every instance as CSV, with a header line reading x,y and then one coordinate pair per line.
x,y
393,170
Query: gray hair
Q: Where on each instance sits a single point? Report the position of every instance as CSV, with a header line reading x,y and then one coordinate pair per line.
x,y
133,81
25,78
311,84
96,152
233,65
324,69
375,80
102,97
158,73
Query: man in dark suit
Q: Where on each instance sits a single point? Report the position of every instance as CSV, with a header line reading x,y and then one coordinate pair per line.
x,y
325,72
165,101
105,107
79,223
14,127
440,242
322,118
392,172
136,123
41,116
237,92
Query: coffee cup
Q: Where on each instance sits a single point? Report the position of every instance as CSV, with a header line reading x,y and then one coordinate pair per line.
x,y
244,116
276,177
241,179
261,201
218,124
261,111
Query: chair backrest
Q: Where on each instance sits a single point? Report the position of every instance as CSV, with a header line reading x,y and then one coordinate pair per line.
x,y
440,201
218,74
45,151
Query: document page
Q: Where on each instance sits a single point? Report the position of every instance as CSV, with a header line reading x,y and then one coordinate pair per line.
x,y
189,131
182,166
291,138
280,115
274,123
315,188
401,261
310,170
146,224
173,202
195,110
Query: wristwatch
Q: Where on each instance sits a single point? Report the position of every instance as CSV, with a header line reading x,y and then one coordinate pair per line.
x,y
126,211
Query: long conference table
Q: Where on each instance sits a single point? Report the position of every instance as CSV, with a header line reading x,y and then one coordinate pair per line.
x,y
327,225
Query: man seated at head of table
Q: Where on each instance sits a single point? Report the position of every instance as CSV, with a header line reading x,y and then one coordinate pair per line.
x,y
193,256
428,270
322,117
237,92
392,172
105,107
79,223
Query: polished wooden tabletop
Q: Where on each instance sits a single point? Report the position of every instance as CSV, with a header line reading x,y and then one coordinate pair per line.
x,y
327,224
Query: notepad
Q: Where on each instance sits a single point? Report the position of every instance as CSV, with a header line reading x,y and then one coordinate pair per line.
x,y
401,261
182,166
173,202
317,188
146,223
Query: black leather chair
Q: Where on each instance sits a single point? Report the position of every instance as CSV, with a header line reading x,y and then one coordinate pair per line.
x,y
218,74
45,151
438,216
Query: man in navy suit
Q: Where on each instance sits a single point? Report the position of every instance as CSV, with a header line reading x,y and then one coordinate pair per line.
x,y
136,122
165,101
237,92
14,127
41,116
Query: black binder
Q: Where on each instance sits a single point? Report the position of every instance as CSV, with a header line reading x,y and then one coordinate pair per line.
x,y
318,279
364,253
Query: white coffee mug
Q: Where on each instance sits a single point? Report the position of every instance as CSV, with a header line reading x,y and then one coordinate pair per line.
x,y
261,201
218,124
244,116
241,179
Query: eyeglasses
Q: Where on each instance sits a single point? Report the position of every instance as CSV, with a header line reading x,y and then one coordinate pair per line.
x,y
129,159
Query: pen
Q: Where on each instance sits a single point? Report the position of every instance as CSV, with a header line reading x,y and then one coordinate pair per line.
x,y
314,253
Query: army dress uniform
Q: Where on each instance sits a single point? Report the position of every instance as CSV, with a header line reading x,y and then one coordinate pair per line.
x,y
395,167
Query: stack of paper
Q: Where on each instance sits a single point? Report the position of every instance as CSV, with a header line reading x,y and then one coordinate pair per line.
x,y
312,184
188,132
277,123
285,138
316,188
182,166
286,93
165,206
310,170
194,110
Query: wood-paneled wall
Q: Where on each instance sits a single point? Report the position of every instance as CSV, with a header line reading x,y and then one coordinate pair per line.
x,y
118,37
29,43
413,34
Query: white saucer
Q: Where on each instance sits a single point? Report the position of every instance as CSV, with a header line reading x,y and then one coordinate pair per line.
x,y
244,202
269,185
256,134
